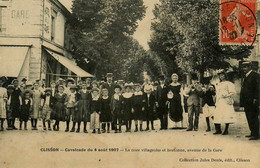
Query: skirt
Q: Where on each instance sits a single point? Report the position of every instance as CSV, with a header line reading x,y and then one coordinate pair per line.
x,y
94,121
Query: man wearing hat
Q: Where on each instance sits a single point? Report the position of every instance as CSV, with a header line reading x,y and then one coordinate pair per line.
x,y
193,102
249,99
161,98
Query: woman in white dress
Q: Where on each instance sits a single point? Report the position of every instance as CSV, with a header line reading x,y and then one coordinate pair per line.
x,y
3,101
37,94
225,112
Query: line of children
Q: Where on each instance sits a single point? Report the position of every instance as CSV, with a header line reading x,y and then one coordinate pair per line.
x,y
79,105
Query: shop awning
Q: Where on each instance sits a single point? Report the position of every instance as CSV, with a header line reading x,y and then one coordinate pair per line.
x,y
70,64
11,60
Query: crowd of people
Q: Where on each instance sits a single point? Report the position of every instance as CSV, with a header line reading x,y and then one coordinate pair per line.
x,y
112,105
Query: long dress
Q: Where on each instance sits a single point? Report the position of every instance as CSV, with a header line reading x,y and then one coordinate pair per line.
x,y
3,98
15,103
84,105
59,107
138,101
106,115
36,104
127,106
224,112
175,108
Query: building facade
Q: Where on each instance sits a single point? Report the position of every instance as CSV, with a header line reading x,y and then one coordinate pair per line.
x,y
35,41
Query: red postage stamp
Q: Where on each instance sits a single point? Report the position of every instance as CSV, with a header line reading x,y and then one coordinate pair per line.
x,y
238,22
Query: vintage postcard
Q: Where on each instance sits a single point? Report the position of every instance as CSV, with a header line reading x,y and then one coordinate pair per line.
x,y
129,83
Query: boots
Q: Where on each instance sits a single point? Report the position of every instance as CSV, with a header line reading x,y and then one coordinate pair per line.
x,y
208,124
25,125
85,127
152,125
147,128
67,126
108,127
9,127
35,124
136,127
21,124
141,127
13,124
49,125
2,125
120,131
44,126
99,132
226,130
78,130
73,127
218,129
103,127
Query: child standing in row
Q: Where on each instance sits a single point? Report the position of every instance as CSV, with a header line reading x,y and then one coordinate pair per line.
x,y
59,108
10,90
105,116
26,109
138,107
15,102
71,103
116,108
47,105
128,106
37,95
84,106
95,111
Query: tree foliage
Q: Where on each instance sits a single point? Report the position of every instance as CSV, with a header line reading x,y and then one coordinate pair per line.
x,y
185,35
102,31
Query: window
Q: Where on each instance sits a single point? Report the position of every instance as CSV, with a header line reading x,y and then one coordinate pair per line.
x,y
53,22
2,16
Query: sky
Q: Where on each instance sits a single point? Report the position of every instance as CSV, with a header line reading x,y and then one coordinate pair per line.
x,y
143,32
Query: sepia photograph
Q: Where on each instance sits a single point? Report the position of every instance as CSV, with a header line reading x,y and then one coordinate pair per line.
x,y
129,83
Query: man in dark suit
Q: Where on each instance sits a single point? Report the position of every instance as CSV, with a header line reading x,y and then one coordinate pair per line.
x,y
193,102
109,84
161,98
249,99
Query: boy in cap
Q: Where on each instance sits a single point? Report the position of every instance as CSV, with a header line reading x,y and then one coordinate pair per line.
x,y
71,103
95,111
47,105
116,108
